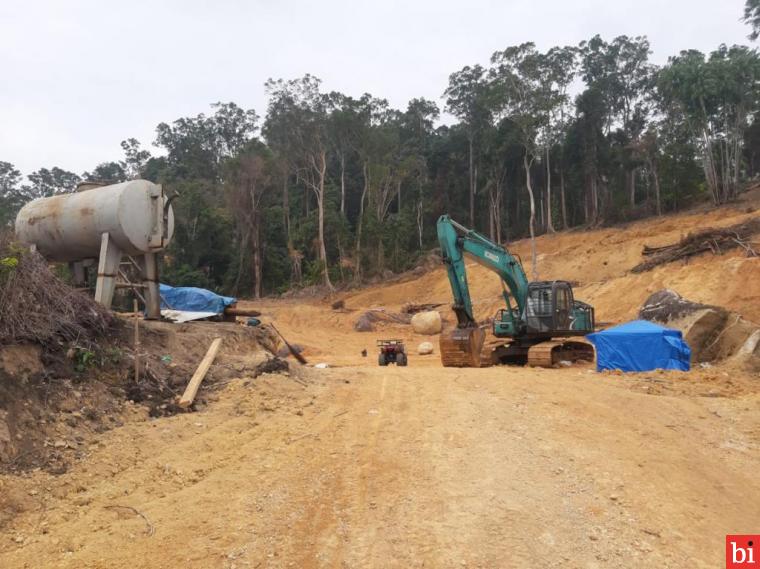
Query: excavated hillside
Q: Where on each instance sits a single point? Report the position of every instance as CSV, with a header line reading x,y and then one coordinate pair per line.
x,y
599,264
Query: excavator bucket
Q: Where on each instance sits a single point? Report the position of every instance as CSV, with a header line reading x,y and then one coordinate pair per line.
x,y
461,347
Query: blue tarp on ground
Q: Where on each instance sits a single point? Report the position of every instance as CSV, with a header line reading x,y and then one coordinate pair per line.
x,y
193,299
640,346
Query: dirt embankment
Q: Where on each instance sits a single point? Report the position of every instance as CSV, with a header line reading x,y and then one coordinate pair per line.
x,y
53,401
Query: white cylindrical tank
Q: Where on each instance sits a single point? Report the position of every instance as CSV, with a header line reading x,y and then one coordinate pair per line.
x,y
69,227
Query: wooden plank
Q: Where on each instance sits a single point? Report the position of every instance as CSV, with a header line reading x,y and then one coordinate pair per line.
x,y
195,382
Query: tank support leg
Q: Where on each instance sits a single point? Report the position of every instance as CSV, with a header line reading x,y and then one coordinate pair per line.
x,y
78,273
108,268
149,265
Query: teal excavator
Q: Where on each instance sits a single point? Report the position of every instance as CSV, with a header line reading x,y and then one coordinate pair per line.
x,y
537,325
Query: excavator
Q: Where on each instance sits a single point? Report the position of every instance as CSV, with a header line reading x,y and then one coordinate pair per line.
x,y
537,325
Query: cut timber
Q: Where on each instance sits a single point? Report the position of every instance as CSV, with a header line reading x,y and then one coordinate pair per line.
x,y
235,311
291,349
192,388
714,240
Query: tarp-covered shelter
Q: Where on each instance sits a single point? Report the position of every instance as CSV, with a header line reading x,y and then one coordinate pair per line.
x,y
192,299
640,346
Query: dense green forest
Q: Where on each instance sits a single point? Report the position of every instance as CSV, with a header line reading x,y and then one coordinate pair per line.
x,y
324,188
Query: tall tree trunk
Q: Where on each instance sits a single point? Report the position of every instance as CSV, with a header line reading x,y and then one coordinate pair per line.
x,y
656,180
549,222
256,253
562,196
322,170
286,206
241,259
342,183
472,184
632,186
491,210
710,173
498,210
529,186
359,224
420,221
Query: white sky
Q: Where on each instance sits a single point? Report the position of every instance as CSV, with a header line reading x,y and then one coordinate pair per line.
x,y
77,76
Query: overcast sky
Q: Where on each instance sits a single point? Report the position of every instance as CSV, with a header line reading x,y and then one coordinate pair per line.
x,y
77,77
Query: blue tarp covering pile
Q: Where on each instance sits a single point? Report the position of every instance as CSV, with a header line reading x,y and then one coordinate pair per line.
x,y
191,299
640,346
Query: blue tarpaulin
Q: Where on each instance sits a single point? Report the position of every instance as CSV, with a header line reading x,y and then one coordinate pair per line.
x,y
640,346
192,299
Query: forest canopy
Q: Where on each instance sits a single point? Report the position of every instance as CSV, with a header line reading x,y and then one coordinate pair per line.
x,y
324,188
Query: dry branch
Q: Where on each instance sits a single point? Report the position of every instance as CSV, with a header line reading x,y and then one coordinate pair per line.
x,y
37,306
150,530
714,240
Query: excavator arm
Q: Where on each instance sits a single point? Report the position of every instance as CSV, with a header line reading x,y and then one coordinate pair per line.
x,y
463,346
455,241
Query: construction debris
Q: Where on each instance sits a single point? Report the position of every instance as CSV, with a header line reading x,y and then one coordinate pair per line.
x,y
412,308
365,322
273,365
192,388
37,306
296,354
714,240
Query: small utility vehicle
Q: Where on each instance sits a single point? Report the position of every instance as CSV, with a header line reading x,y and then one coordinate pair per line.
x,y
391,352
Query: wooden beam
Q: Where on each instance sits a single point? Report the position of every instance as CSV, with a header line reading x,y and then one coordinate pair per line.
x,y
192,388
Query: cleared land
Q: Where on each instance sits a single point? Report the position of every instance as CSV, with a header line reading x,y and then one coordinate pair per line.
x,y
360,466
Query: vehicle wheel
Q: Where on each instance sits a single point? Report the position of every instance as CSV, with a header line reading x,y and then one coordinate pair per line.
x,y
381,360
401,359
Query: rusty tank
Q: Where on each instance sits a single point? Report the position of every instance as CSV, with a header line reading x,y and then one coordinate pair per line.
x,y
136,215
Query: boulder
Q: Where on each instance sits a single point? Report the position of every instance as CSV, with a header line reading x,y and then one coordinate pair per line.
x,y
666,305
425,348
428,323
713,333
363,324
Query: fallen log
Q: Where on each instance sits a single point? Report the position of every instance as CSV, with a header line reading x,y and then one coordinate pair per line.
x,y
714,240
297,355
235,311
195,382
413,308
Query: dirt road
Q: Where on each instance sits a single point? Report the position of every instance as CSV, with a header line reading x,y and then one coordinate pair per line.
x,y
415,467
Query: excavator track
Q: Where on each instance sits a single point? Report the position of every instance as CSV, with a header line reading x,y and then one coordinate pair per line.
x,y
461,347
551,352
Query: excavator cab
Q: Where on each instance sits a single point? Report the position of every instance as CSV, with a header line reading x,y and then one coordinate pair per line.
x,y
551,310
548,307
